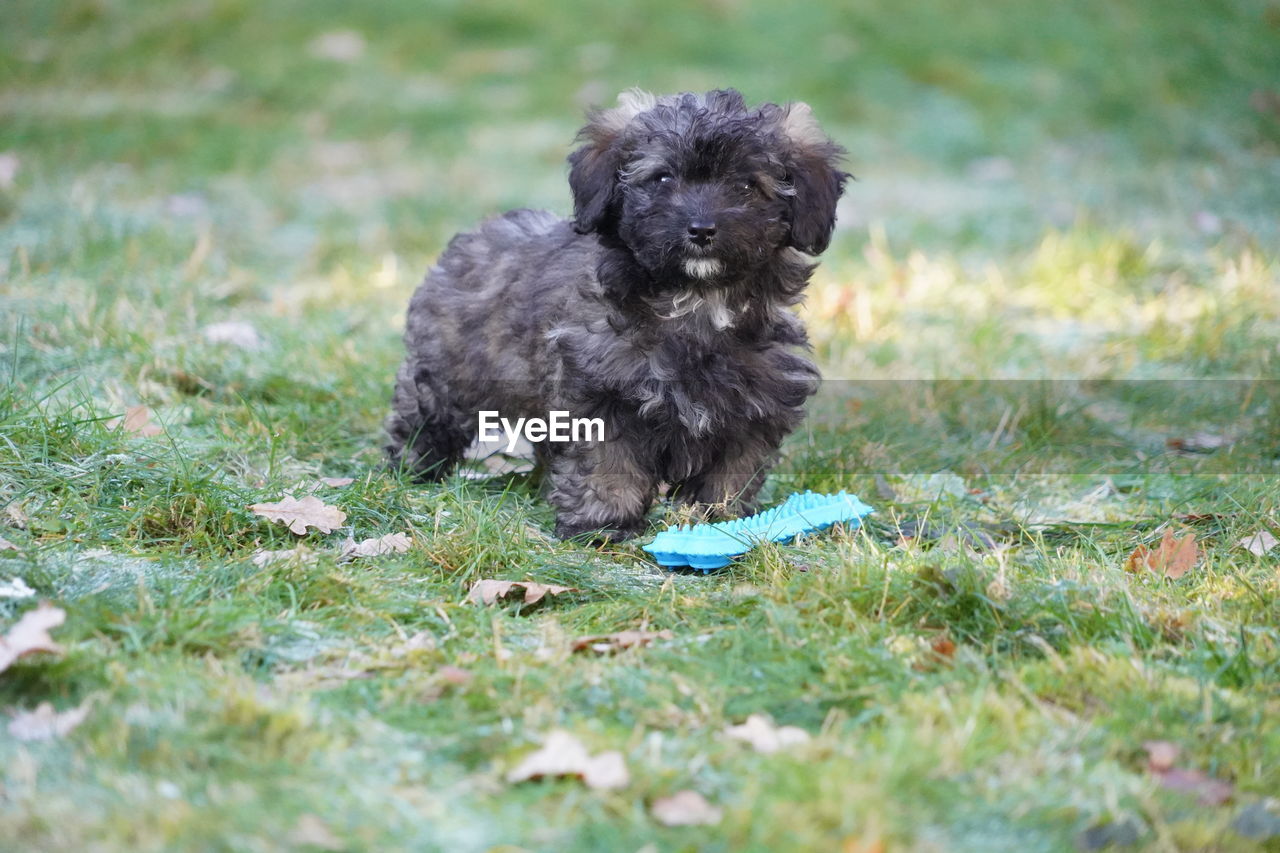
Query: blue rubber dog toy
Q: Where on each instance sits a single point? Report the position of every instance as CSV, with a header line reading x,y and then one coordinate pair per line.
x,y
713,546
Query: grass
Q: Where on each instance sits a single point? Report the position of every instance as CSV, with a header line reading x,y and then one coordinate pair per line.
x,y
1056,270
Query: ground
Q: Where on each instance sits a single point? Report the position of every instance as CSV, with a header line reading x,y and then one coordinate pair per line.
x,y
1047,321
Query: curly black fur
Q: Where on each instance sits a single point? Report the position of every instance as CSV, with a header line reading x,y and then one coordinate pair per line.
x,y
662,308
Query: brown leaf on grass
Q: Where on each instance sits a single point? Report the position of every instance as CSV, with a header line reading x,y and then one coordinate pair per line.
x,y
392,543
1161,758
606,643
940,652
6,545
564,755
337,482
488,591
44,723
685,808
765,737
298,515
1172,558
30,634
1260,543
136,420
943,647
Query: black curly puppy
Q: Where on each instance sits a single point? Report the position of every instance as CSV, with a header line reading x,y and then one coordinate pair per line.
x,y
662,309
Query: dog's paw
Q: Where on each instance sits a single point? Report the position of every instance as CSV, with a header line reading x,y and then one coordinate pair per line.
x,y
595,534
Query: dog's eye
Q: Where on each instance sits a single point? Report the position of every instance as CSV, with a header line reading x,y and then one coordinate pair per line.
x,y
664,178
747,185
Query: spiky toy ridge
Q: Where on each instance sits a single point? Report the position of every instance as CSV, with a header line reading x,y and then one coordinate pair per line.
x,y
713,546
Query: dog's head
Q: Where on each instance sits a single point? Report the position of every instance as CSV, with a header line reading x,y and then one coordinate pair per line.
x,y
703,187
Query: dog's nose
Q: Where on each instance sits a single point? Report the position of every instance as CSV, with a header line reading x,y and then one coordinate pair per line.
x,y
701,231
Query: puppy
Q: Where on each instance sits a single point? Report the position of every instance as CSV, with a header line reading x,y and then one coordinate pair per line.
x,y
662,308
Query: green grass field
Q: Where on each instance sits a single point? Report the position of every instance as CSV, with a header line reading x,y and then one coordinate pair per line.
x,y
1076,199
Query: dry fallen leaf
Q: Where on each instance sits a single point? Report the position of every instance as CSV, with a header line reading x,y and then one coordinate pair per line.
x,y
392,543
764,737
685,808
31,634
1172,558
564,755
44,723
337,482
136,420
489,591
1260,543
605,643
298,515
1161,756
496,457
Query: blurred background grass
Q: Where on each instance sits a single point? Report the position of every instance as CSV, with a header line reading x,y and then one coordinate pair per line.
x,y
986,122
1046,190
1061,189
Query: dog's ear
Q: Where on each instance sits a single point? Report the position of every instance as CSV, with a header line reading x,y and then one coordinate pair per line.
x,y
593,168
811,160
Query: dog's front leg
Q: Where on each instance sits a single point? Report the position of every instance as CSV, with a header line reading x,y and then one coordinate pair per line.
x,y
599,488
730,484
